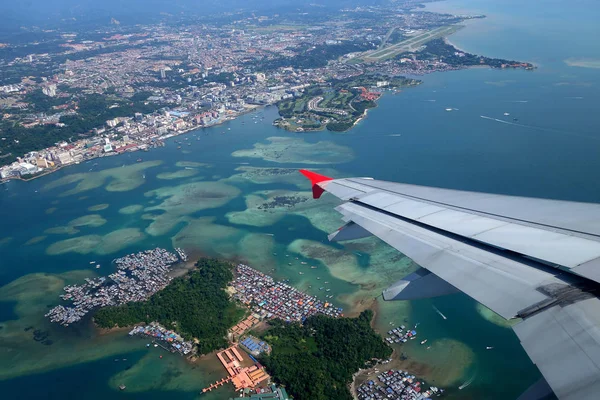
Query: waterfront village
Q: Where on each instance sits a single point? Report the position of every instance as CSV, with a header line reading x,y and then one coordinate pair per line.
x,y
138,277
142,274
120,89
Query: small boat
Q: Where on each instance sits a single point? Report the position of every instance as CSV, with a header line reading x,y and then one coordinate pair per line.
x,y
448,109
328,290
92,262
506,114
97,266
155,345
300,273
318,278
139,160
489,348
122,387
313,267
423,341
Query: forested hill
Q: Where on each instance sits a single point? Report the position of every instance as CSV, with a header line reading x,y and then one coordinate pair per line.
x,y
195,305
316,360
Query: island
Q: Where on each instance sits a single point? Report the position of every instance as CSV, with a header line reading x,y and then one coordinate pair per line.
x,y
316,360
337,105
260,329
195,305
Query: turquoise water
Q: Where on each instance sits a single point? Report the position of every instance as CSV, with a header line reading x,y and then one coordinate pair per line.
x,y
551,151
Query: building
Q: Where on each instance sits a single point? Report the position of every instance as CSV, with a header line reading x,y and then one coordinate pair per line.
x,y
65,158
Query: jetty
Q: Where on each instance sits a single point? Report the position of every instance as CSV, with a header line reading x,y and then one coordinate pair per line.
x,y
217,384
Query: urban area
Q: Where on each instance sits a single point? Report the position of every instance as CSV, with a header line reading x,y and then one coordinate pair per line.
x,y
118,89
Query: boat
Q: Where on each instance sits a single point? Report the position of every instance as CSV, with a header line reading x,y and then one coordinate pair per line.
x,y
139,160
448,109
506,114
313,267
92,262
122,387
423,341
489,348
328,290
97,265
300,273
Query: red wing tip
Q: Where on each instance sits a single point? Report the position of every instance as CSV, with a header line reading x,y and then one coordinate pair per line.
x,y
314,177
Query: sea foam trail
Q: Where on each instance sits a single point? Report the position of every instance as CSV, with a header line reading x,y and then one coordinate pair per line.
x,y
539,128
439,312
467,383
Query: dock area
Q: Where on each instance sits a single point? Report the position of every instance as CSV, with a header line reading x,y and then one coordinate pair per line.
x,y
167,339
242,377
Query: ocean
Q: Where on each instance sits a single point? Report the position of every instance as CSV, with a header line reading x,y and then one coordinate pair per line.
x,y
205,197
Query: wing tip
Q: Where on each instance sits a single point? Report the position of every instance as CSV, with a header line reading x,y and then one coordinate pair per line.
x,y
315,179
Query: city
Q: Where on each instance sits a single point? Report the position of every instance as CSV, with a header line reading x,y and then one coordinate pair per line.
x,y
126,89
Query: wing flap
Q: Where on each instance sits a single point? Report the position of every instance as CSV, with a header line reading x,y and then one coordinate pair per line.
x,y
499,283
564,343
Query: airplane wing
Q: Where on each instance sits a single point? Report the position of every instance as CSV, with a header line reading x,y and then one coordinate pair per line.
x,y
534,259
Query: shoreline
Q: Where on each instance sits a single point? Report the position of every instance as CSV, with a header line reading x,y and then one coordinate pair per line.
x,y
163,137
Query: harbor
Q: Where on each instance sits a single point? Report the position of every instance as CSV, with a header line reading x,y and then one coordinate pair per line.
x,y
271,299
166,339
138,277
396,384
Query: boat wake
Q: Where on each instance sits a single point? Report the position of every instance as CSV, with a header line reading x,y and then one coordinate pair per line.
x,y
539,128
439,312
467,383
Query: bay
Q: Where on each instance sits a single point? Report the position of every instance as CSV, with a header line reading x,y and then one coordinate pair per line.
x,y
551,151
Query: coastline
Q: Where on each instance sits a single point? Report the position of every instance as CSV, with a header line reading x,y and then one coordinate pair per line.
x,y
163,137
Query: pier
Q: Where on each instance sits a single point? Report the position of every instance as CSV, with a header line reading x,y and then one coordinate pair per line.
x,y
217,384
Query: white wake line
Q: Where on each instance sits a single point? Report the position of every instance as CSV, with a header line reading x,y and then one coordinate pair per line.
x,y
539,128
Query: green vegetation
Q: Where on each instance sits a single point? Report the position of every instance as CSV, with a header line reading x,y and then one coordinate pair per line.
x,y
342,104
195,305
313,56
316,360
440,49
